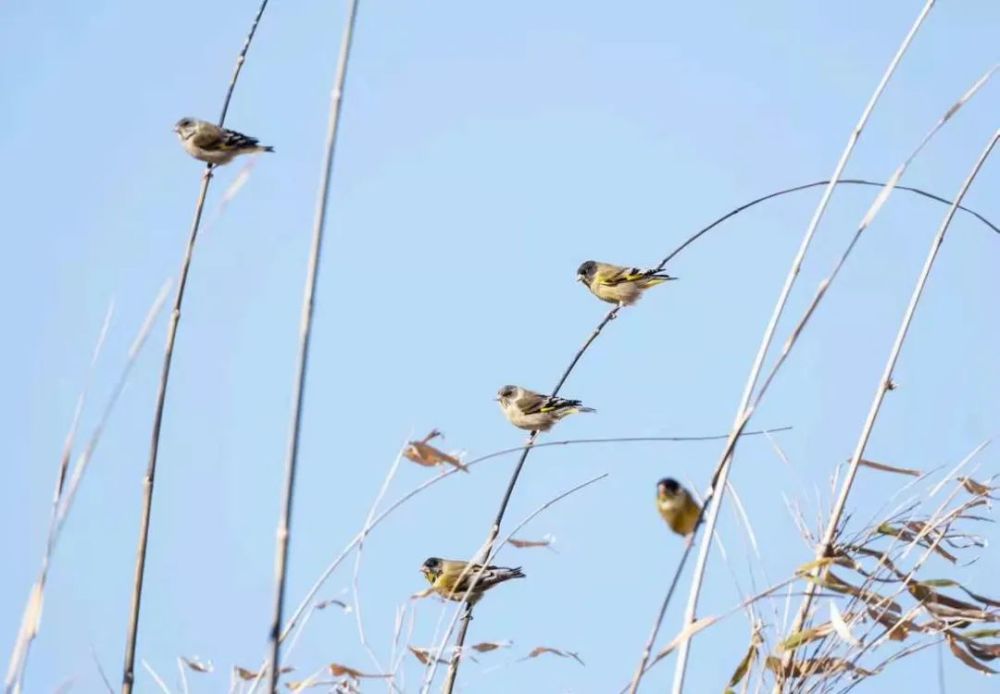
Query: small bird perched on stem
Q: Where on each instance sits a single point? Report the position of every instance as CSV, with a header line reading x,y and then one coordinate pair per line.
x,y
677,506
529,410
451,579
209,143
616,284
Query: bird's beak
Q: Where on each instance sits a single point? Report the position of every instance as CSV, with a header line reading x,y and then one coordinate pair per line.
x,y
581,278
496,399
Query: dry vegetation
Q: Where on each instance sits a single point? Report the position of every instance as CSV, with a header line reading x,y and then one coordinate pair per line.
x,y
875,593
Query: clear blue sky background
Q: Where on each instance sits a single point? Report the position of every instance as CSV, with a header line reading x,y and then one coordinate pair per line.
x,y
484,153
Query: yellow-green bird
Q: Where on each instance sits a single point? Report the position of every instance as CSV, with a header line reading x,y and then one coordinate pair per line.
x,y
616,284
451,579
677,506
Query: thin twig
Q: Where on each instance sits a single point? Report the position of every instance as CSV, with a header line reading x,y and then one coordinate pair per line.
x,y
30,622
66,493
305,328
885,384
741,414
128,674
156,678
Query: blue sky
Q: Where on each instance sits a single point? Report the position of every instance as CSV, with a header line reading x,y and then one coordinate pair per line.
x,y
484,153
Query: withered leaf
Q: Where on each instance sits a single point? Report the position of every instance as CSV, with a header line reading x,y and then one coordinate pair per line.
x,y
890,468
248,675
840,625
975,488
964,656
488,646
756,641
949,583
338,670
196,664
521,544
424,655
800,638
540,650
422,453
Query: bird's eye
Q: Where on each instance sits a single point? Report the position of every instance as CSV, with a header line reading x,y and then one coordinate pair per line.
x,y
586,268
507,392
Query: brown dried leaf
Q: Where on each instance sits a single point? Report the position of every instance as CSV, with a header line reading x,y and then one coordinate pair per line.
x,y
964,656
422,453
487,646
424,655
338,670
540,650
975,488
948,583
521,544
890,468
756,641
248,675
196,664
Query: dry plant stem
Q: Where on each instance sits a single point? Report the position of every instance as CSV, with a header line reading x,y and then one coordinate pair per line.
x,y
723,476
312,273
66,493
29,624
128,674
884,385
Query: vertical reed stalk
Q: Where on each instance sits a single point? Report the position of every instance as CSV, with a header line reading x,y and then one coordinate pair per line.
x,y
128,674
305,331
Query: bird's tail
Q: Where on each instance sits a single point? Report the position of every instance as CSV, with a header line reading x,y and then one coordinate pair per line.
x,y
265,148
654,280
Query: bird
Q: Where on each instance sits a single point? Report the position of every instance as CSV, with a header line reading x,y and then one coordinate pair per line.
x,y
677,506
209,143
451,578
529,410
616,284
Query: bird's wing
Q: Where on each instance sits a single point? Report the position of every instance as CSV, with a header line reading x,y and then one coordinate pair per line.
x,y
208,136
531,403
611,275
233,140
559,404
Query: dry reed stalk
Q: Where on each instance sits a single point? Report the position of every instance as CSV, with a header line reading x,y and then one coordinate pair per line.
x,y
723,473
884,385
65,491
305,329
148,482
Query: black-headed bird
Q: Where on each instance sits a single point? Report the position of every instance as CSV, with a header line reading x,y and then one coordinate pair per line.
x,y
529,410
616,284
451,579
677,506
209,143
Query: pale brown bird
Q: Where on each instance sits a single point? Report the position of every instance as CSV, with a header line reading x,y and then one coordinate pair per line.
x,y
532,411
209,143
